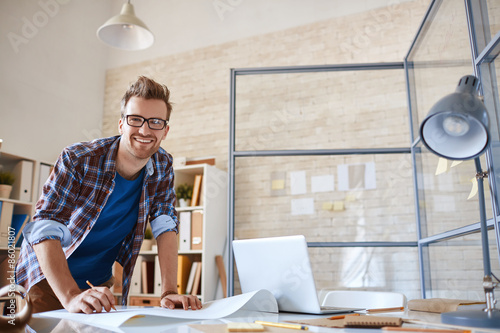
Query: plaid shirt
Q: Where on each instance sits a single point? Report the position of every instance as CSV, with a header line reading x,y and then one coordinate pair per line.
x,y
77,191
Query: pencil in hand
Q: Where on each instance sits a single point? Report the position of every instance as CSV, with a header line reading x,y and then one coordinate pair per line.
x,y
92,286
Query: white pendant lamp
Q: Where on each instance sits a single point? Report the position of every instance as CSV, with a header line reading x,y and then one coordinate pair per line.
x,y
126,31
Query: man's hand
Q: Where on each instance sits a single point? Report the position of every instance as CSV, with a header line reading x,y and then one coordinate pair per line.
x,y
90,300
54,266
172,301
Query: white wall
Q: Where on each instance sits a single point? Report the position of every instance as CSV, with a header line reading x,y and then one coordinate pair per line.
x,y
53,71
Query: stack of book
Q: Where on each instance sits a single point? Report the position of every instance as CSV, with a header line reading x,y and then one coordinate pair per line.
x,y
146,278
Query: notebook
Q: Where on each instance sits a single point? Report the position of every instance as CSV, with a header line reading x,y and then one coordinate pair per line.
x,y
280,265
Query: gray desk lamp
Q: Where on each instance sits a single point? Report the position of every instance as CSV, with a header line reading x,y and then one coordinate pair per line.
x,y
126,31
457,128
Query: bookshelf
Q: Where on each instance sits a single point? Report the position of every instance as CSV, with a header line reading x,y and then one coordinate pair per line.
x,y
211,212
30,176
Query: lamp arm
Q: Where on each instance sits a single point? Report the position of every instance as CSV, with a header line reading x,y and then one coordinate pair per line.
x,y
488,283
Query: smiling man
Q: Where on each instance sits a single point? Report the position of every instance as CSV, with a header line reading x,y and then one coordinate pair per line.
x,y
95,208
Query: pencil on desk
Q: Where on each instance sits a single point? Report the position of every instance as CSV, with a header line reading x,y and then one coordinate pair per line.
x,y
343,316
92,286
399,308
282,325
416,329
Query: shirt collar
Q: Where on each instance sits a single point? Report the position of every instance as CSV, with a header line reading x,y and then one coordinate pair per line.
x,y
110,162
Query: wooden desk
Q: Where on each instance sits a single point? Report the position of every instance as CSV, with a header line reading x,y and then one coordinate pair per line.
x,y
171,325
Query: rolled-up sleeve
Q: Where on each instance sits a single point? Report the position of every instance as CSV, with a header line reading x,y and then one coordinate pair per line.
x,y
36,232
161,224
163,216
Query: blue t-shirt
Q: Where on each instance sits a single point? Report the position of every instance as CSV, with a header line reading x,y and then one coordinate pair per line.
x,y
93,259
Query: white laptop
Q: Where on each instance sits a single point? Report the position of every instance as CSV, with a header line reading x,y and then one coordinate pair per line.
x,y
280,265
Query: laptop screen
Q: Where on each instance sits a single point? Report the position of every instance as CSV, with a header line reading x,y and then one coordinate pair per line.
x,y
280,265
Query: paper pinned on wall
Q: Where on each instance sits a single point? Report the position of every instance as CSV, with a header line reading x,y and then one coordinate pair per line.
x,y
356,176
298,182
322,183
302,206
370,177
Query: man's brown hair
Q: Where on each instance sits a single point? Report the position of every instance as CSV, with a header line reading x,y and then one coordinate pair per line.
x,y
146,88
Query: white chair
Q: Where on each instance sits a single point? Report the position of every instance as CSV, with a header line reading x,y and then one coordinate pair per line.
x,y
364,299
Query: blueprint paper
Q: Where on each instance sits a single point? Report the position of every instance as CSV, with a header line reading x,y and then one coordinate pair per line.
x,y
260,300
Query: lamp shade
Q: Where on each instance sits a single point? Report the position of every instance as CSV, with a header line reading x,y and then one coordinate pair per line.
x,y
457,126
126,31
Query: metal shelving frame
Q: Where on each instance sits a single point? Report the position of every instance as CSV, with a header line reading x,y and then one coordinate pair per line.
x,y
233,154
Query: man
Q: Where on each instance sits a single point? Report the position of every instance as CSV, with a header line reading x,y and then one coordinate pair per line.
x,y
94,211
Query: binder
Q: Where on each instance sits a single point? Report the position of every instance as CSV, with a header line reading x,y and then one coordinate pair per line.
x,y
197,230
147,278
21,190
7,210
184,231
135,281
183,270
118,274
45,170
192,274
18,223
196,190
157,279
219,260
197,280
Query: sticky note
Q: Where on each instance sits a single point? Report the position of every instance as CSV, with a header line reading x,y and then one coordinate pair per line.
x,y
278,184
350,197
327,206
338,206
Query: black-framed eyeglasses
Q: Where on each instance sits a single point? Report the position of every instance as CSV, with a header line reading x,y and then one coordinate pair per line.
x,y
153,123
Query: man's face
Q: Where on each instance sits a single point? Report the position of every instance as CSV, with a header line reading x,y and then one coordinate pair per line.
x,y
142,142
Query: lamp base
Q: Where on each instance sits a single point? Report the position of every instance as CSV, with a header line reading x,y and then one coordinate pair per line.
x,y
474,318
